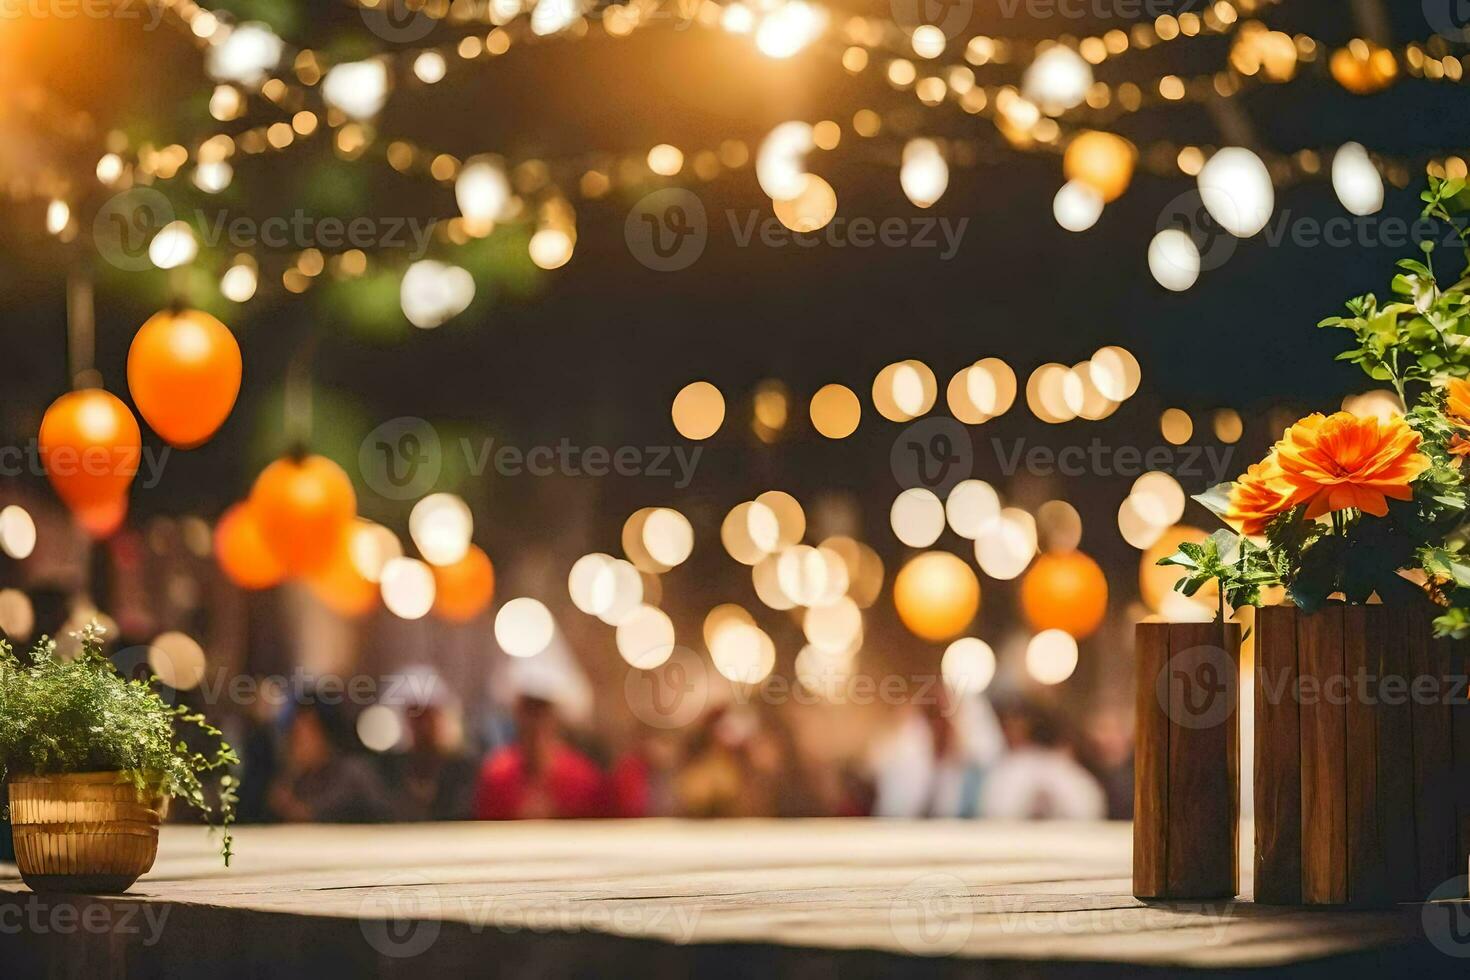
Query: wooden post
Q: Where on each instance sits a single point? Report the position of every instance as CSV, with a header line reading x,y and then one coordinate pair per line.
x,y
1360,753
1187,769
1278,777
1363,639
1324,758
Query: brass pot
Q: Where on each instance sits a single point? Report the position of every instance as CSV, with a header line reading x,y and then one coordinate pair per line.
x,y
85,832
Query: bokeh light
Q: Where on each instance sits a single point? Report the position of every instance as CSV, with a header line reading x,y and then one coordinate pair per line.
x,y
698,410
524,627
1051,657
968,666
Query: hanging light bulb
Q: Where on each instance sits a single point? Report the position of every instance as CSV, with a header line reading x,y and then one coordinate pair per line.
x,y
58,216
239,282
1057,80
554,16
1174,260
245,54
440,526
1357,182
788,29
1077,206
483,193
923,174
408,588
1236,189
433,293
173,246
357,88
780,164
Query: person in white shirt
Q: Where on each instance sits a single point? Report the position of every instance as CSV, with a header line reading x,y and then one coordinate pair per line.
x,y
1037,778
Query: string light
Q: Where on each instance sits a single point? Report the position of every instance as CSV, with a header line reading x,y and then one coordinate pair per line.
x,y
254,68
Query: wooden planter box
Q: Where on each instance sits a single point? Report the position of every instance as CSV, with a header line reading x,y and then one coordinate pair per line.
x,y
1362,756
1186,789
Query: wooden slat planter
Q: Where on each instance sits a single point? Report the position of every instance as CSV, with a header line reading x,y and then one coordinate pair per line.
x,y
1362,756
1187,762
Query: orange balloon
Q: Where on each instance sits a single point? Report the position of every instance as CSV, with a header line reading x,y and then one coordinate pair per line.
x,y
936,595
304,507
1103,161
340,586
184,373
1364,68
463,590
241,551
90,446
102,520
1065,591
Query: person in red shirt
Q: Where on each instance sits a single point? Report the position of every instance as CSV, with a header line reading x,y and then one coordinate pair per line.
x,y
540,776
641,784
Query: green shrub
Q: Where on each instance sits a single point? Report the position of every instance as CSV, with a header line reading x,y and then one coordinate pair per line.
x,y
80,715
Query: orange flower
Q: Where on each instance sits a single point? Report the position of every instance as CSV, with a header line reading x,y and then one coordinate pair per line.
x,y
1457,410
1336,462
1258,496
1457,402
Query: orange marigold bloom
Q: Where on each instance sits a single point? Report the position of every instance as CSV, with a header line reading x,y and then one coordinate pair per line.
x,y
1337,462
1457,402
1258,496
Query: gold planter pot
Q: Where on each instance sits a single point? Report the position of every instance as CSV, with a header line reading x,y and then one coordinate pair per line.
x,y
86,832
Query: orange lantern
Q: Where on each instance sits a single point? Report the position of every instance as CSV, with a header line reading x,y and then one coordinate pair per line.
x,y
303,506
241,551
90,446
340,586
1364,67
464,590
936,595
102,520
1102,161
1065,591
184,373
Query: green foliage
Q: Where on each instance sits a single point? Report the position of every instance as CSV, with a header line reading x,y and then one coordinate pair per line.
x,y
1423,333
69,716
1240,566
1420,337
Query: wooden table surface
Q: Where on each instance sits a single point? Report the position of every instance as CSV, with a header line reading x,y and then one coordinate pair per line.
x,y
819,897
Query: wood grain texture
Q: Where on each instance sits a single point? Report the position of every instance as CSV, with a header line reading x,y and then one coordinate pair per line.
x,y
1460,748
1433,801
1204,779
1364,631
662,898
1395,757
1278,782
1150,765
1324,760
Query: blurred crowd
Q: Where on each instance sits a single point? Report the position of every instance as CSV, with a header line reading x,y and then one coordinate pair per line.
x,y
949,757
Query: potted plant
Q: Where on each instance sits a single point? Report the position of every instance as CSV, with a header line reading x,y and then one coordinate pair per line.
x,y
1362,731
92,761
